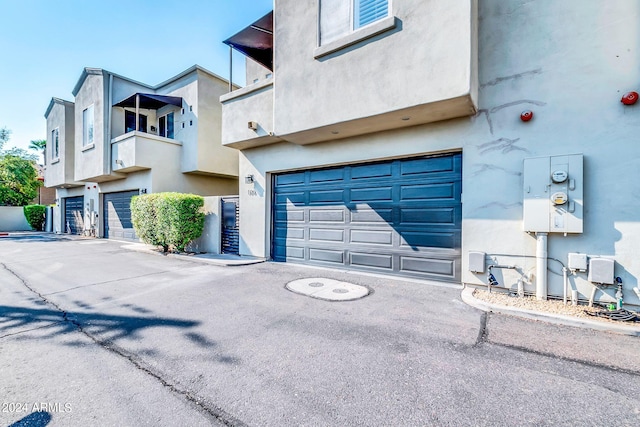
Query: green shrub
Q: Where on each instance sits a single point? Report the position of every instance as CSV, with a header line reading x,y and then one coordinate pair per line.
x,y
35,216
168,219
143,217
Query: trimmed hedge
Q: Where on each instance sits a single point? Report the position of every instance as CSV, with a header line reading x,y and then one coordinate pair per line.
x,y
170,220
35,216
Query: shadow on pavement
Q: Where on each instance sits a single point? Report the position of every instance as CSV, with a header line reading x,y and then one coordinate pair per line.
x,y
114,327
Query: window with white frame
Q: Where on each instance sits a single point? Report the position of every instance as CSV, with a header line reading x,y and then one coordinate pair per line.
x,y
368,11
87,126
339,18
55,144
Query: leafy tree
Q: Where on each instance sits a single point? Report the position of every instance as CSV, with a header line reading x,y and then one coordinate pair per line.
x,y
18,181
18,176
5,134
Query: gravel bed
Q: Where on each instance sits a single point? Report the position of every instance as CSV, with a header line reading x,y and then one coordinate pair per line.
x,y
548,306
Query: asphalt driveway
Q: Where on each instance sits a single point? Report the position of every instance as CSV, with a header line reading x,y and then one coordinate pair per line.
x,y
128,338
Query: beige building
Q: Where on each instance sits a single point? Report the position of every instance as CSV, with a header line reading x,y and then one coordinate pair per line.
x,y
443,140
120,138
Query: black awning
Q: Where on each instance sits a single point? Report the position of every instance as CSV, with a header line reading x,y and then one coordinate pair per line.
x,y
256,41
150,101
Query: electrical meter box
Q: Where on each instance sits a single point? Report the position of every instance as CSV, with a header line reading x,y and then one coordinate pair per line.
x,y
553,194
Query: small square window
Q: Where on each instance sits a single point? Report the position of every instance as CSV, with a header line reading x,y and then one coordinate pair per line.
x,y
190,122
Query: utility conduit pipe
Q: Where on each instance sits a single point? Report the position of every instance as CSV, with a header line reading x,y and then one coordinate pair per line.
x,y
541,266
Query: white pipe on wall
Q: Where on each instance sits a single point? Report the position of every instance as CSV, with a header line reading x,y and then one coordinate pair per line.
x,y
541,266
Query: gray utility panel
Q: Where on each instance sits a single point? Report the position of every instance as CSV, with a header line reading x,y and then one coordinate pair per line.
x,y
117,215
74,215
400,217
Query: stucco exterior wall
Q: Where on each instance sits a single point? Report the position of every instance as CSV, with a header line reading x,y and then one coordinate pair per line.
x,y
92,160
211,156
570,72
60,170
431,43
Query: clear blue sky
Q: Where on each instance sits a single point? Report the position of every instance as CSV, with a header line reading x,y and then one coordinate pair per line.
x,y
45,44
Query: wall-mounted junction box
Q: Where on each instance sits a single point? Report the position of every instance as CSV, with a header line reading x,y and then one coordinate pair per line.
x,y
601,270
553,194
476,261
577,262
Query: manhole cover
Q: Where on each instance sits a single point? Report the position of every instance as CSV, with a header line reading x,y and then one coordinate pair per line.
x,y
316,284
340,291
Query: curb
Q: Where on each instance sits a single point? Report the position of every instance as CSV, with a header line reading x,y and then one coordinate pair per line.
x,y
558,319
220,260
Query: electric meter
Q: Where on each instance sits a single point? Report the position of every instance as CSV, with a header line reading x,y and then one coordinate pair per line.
x,y
559,198
559,176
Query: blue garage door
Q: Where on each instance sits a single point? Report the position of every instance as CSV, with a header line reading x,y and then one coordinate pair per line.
x,y
398,217
117,215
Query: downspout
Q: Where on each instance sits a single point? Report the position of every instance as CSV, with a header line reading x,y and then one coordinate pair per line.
x,y
541,266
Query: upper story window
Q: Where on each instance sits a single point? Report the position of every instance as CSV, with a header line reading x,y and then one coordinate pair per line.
x,y
368,11
130,122
339,18
87,126
165,125
55,144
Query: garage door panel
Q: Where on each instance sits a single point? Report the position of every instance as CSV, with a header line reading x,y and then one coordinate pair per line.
x,y
289,179
325,235
294,198
372,237
326,215
402,217
371,171
323,196
379,194
429,166
429,216
326,255
415,239
442,191
371,260
441,267
371,215
289,252
326,175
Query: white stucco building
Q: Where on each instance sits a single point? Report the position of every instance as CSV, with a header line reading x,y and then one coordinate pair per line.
x,y
120,138
391,136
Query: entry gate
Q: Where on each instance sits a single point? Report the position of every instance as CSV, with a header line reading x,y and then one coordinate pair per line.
x,y
230,225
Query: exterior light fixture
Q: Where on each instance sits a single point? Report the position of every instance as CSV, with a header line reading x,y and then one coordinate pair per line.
x,y
406,118
526,115
248,179
335,132
252,125
629,98
119,162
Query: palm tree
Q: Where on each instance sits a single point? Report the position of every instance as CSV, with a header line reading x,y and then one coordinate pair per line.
x,y
38,144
